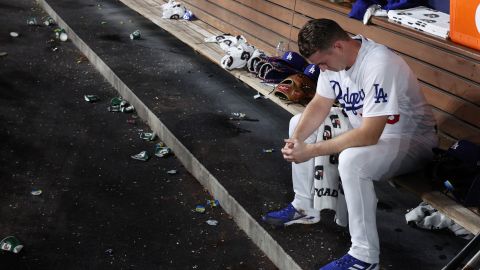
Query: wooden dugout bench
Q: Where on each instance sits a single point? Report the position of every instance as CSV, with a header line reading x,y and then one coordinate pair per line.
x,y
449,74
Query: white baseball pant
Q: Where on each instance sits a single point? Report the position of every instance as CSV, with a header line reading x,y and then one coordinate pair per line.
x,y
358,167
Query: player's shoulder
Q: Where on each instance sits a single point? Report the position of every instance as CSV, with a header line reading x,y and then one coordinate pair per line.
x,y
329,76
379,52
379,58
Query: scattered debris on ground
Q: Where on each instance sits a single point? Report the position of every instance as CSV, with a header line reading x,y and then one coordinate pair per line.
x,y
142,156
135,35
11,243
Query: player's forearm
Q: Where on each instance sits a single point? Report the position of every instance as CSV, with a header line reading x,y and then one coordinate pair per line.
x,y
352,138
367,134
308,123
313,115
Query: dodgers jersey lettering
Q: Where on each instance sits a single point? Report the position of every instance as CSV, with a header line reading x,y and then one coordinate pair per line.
x,y
379,83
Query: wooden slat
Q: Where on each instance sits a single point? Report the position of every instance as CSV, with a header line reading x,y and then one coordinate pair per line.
x,y
455,127
229,28
457,212
261,20
183,30
292,46
341,8
224,19
439,57
442,43
284,3
445,80
271,9
445,141
204,29
453,105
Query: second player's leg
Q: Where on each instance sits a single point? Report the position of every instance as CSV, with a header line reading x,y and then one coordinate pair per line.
x,y
302,175
301,209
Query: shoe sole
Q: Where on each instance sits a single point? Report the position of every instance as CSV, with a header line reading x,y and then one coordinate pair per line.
x,y
303,220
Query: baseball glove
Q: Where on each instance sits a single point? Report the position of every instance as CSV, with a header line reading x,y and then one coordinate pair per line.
x,y
296,88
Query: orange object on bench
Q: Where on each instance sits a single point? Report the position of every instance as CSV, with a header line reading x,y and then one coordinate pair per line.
x,y
465,22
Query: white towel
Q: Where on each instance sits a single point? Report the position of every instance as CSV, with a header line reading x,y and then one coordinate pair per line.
x,y
328,187
423,19
426,217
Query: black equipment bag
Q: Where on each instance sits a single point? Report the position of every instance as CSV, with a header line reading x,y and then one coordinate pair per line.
x,y
458,170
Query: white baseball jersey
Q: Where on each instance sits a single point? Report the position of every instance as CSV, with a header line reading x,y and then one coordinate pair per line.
x,y
379,83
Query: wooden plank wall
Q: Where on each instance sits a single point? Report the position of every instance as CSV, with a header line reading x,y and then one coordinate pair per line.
x,y
449,74
262,23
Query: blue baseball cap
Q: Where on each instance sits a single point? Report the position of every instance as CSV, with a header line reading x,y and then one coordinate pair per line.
x,y
312,71
294,60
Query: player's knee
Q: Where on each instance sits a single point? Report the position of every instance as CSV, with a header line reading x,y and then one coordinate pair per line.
x,y
348,162
293,124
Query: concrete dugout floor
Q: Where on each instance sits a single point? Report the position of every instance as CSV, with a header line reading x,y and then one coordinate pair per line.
x,y
99,209
194,99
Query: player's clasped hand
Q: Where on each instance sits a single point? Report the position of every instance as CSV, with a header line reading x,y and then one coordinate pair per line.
x,y
295,151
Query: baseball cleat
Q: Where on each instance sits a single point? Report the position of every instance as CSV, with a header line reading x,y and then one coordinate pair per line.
x,y
288,216
347,262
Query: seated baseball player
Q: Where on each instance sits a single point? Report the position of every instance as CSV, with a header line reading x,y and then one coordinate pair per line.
x,y
392,132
